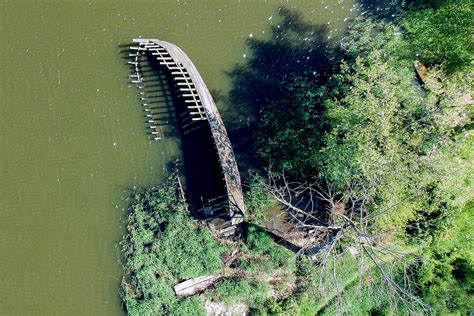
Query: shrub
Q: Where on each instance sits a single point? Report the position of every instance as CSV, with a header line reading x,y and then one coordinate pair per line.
x,y
446,272
259,242
257,200
162,246
250,291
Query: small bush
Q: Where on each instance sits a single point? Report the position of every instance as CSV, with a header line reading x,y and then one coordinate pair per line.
x,y
257,199
250,291
259,242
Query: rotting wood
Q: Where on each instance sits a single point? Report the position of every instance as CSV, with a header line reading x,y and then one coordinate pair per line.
x,y
196,285
183,69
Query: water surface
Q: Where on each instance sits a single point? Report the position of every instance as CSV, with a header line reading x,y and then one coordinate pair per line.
x,y
72,136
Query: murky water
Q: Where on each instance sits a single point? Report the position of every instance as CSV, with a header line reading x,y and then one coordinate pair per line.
x,y
72,136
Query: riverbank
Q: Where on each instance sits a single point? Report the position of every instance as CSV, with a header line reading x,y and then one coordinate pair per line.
x,y
368,175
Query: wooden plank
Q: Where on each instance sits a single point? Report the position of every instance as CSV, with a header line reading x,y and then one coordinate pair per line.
x,y
180,73
182,78
193,286
167,63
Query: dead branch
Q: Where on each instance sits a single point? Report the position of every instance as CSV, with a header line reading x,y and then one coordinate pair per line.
x,y
343,224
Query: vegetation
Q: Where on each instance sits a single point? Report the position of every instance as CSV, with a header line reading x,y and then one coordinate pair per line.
x,y
256,199
259,243
370,160
163,246
442,34
446,272
371,132
264,271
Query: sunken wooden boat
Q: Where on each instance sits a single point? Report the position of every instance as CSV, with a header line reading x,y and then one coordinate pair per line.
x,y
213,185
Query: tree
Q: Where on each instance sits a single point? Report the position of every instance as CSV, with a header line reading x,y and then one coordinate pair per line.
x,y
351,247
446,272
442,35
388,157
291,129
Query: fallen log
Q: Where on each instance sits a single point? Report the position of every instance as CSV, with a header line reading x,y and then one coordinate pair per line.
x,y
196,285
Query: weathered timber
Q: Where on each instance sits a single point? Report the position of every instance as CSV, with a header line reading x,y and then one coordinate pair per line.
x,y
193,286
201,107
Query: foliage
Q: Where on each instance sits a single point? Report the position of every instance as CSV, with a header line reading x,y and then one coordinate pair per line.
x,y
256,199
382,131
370,122
446,274
246,290
366,123
304,304
163,246
442,35
369,297
261,260
261,243
407,145
290,129
358,291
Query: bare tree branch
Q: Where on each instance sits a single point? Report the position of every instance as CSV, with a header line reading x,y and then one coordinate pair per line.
x,y
341,223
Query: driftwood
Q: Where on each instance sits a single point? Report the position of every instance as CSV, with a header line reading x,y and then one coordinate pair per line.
x,y
196,285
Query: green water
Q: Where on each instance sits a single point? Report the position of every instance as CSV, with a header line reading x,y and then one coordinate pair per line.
x,y
72,137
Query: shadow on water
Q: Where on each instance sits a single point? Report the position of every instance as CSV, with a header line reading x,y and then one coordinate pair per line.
x,y
157,94
295,48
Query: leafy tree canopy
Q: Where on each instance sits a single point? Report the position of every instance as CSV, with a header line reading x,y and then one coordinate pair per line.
x,y
409,143
442,35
